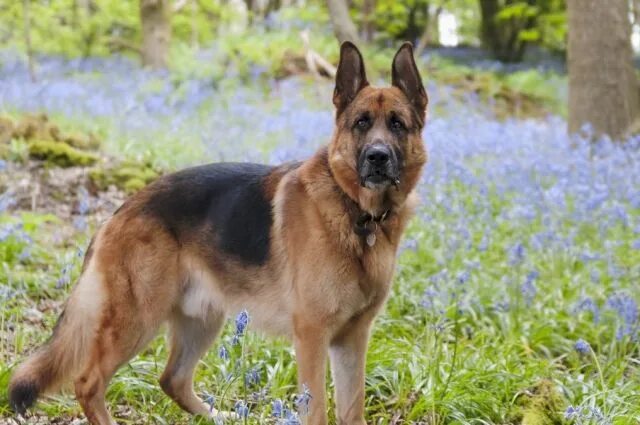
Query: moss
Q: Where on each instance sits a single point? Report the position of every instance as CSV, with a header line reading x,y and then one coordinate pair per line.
x,y
59,154
38,127
81,141
128,176
540,405
6,130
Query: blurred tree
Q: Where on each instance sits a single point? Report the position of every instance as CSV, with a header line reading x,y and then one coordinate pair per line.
x,y
603,86
431,32
156,32
402,20
368,20
343,26
27,38
508,26
502,22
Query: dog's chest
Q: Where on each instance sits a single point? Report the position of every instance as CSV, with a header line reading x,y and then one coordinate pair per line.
x,y
369,280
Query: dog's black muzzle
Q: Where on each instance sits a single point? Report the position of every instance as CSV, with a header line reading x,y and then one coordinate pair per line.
x,y
378,166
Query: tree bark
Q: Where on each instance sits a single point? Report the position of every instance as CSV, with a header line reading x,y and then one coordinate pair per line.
x,y
368,10
343,26
431,34
502,38
27,39
156,32
603,87
489,33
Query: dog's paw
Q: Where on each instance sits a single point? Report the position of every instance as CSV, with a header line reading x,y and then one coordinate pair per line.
x,y
221,416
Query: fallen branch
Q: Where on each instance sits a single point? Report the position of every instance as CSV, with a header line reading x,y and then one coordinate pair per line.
x,y
317,65
179,5
117,44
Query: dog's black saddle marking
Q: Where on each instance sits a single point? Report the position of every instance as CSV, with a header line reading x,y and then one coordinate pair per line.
x,y
224,203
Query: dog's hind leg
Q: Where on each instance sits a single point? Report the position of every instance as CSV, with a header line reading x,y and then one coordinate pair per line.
x,y
190,337
140,276
112,347
124,331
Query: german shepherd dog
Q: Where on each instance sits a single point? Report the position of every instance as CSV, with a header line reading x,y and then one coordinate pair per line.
x,y
308,249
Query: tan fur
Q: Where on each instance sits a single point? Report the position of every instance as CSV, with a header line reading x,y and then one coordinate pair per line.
x,y
322,285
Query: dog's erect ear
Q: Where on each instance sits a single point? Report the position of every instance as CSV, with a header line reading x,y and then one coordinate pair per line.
x,y
350,77
405,76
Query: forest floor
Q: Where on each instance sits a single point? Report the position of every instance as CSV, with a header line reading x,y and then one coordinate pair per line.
x,y
515,297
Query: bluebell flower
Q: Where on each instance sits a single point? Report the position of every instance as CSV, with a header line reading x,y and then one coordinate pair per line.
x,y
277,408
252,377
5,232
210,399
586,414
223,353
84,201
587,304
463,277
528,288
25,254
242,320
302,400
7,201
501,306
582,346
516,253
241,409
80,223
571,412
65,276
627,310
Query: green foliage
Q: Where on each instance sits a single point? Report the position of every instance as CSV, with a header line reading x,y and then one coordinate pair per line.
x,y
60,154
549,17
100,27
129,176
509,26
64,27
402,20
540,405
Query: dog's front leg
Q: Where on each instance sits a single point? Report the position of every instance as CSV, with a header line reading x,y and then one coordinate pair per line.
x,y
311,344
348,353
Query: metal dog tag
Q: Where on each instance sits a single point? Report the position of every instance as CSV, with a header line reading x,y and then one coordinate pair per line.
x,y
371,239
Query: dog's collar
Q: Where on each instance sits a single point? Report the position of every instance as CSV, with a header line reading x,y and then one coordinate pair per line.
x,y
367,224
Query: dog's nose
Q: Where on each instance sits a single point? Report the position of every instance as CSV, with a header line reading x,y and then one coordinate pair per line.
x,y
378,155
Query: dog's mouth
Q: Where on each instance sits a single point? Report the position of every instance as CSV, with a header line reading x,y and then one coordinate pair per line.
x,y
378,181
378,167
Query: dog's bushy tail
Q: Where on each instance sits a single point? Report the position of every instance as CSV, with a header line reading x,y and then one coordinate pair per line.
x,y
56,361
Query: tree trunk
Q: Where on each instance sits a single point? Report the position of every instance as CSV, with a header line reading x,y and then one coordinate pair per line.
x,y
603,88
27,39
368,10
636,12
343,26
489,34
431,34
502,38
156,32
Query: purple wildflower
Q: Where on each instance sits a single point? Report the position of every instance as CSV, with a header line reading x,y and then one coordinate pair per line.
x,y
582,346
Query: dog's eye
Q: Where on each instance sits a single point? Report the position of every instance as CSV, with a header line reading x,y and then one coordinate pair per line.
x,y
396,124
362,123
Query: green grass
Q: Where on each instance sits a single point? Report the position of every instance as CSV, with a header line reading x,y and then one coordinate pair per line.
x,y
469,364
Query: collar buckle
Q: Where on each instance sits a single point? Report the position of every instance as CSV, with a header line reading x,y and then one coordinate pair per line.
x,y
367,224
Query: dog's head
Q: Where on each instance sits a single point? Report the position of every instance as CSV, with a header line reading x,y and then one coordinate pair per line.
x,y
378,145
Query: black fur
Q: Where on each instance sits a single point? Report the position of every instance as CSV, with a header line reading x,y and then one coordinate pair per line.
x,y
225,201
22,396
